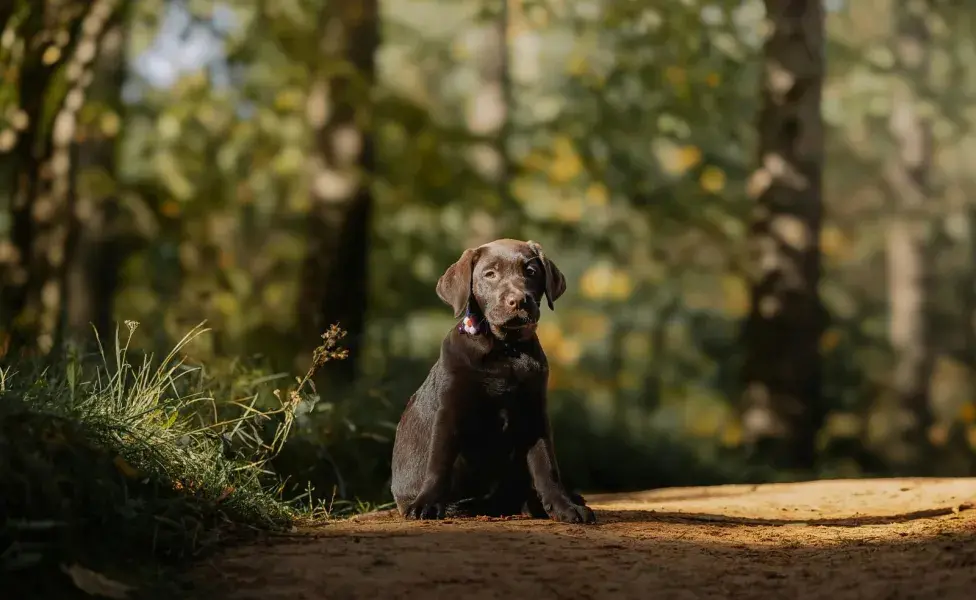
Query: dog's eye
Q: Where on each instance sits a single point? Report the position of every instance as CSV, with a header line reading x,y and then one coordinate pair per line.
x,y
530,271
489,274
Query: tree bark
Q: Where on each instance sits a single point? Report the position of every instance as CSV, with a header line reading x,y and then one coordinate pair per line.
x,y
57,33
487,116
908,248
96,257
335,271
487,113
782,409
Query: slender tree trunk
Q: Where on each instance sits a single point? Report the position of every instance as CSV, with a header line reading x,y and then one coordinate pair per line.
x,y
336,275
782,409
487,112
23,158
908,244
93,268
33,294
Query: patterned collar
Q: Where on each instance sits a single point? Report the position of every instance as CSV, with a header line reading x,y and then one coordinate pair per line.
x,y
472,325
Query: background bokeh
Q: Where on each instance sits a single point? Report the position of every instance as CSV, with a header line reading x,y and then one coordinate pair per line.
x,y
274,166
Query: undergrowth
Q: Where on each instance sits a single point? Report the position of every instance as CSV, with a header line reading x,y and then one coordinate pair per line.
x,y
114,462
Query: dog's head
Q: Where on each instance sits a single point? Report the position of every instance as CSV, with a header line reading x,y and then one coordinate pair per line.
x,y
503,282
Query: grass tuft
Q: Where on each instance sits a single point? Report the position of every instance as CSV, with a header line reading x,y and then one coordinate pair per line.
x,y
112,455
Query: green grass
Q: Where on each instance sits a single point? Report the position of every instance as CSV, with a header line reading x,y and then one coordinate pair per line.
x,y
128,466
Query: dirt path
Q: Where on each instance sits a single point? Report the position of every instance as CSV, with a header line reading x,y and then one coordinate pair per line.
x,y
879,539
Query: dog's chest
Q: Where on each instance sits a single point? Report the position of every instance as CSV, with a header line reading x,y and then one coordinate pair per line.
x,y
514,373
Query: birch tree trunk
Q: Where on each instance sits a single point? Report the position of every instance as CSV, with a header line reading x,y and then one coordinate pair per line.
x,y
56,34
909,263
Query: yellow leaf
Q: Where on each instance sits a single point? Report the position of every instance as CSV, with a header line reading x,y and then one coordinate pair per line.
x,y
832,241
967,412
522,189
227,303
591,325
570,210
842,425
636,345
110,124
566,164
288,99
549,334
736,294
535,161
712,180
577,64
629,380
96,584
731,434
603,281
51,55
712,79
125,468
621,285
568,352
829,340
686,157
597,194
704,424
596,281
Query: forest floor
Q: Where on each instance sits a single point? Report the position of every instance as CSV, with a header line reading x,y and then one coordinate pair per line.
x,y
866,539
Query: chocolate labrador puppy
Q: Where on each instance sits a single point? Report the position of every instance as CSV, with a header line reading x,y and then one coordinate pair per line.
x,y
475,437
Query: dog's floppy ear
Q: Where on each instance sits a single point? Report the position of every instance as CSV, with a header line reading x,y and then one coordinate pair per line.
x,y
454,286
555,282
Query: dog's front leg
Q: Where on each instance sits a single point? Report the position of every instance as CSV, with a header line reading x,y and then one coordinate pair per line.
x,y
545,478
431,502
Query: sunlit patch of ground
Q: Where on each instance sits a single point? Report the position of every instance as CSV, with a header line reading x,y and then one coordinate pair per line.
x,y
905,538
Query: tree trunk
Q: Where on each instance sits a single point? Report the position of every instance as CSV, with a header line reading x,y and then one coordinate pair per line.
x,y
336,276
487,117
487,112
908,250
31,300
782,409
96,258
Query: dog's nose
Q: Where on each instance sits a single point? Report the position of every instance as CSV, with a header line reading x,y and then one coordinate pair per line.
x,y
514,299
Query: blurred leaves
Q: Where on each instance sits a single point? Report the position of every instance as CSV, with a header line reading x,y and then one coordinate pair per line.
x,y
631,137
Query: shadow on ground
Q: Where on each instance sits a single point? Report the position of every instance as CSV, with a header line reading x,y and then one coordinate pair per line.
x,y
659,550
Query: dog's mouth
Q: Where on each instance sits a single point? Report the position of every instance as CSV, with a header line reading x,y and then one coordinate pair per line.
x,y
519,324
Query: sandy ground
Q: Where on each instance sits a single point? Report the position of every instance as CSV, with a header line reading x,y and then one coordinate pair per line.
x,y
877,539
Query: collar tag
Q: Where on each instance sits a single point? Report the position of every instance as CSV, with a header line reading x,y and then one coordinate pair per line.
x,y
469,325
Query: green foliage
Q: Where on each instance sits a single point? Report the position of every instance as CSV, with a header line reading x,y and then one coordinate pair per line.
x,y
630,136
117,455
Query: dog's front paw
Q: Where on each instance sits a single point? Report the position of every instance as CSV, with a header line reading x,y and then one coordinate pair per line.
x,y
426,506
572,513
